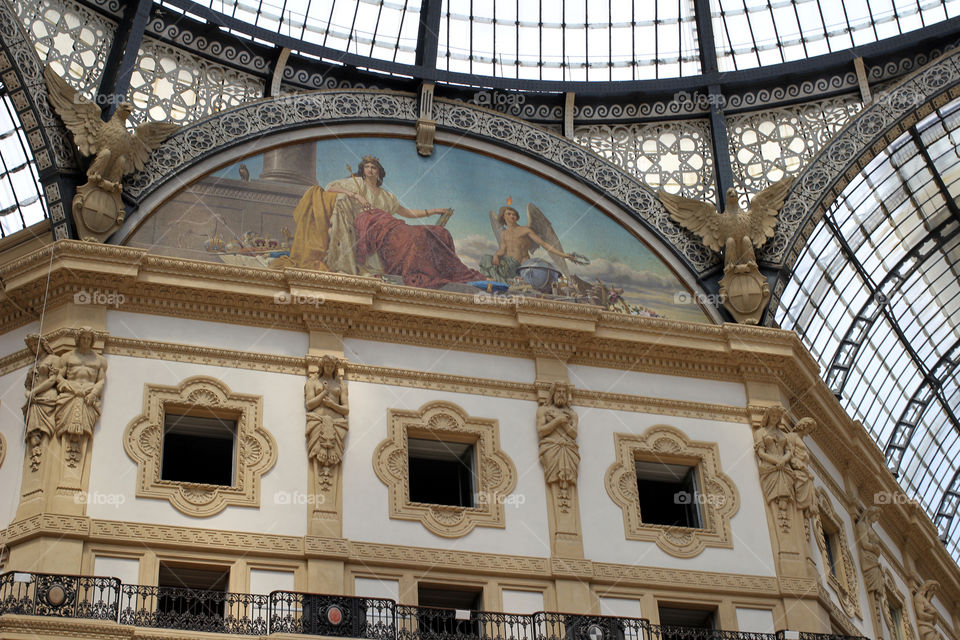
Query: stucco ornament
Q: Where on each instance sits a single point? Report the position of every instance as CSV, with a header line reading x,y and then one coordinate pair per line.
x,y
80,379
926,614
559,452
743,289
783,459
97,208
41,398
325,397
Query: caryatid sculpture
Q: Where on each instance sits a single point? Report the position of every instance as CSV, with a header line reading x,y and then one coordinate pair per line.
x,y
743,289
97,207
926,613
325,397
41,398
559,452
783,459
80,381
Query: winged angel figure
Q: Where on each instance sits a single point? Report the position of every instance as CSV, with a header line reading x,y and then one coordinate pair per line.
x,y
737,233
517,242
97,207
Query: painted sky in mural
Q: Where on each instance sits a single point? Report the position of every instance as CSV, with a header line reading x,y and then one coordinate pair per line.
x,y
349,225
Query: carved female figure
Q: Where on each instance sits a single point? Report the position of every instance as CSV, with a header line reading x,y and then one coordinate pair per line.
x,y
41,397
803,489
926,614
770,445
870,552
326,431
80,383
559,453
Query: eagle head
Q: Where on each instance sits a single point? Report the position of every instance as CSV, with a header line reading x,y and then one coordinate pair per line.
x,y
124,109
732,201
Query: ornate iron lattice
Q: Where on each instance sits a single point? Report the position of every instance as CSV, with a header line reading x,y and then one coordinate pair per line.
x,y
766,146
70,37
673,156
171,84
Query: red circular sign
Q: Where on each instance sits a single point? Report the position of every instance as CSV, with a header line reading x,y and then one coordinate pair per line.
x,y
334,614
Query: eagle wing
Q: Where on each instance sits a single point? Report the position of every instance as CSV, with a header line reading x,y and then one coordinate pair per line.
x,y
147,137
542,227
699,217
81,116
762,214
497,229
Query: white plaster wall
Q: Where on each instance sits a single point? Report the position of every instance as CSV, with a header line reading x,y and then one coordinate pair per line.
x,y
383,354
209,334
113,473
521,602
12,341
11,426
655,385
365,498
265,581
755,620
604,538
621,607
377,588
888,542
127,570
822,458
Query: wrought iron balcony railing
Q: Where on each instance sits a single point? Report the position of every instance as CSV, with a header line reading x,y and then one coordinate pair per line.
x,y
39,594
323,615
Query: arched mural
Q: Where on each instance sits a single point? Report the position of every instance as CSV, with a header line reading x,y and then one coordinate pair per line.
x,y
457,220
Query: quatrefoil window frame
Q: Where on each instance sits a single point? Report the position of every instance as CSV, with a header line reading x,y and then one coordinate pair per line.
x,y
495,476
255,451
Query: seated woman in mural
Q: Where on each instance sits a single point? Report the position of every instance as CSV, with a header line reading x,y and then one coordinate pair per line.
x,y
365,237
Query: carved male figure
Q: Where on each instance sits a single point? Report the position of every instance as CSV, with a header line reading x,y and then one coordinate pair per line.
x,y
41,397
79,383
559,453
325,400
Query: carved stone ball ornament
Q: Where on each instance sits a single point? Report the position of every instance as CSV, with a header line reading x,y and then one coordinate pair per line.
x,y
97,208
743,289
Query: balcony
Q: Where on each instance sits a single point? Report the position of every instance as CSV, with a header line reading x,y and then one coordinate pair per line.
x,y
291,613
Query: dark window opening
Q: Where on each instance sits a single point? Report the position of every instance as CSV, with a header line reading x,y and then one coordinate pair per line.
x,y
675,620
896,617
198,449
441,472
445,610
188,593
668,494
828,547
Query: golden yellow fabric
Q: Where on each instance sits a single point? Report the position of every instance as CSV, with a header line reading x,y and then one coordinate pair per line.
x,y
312,237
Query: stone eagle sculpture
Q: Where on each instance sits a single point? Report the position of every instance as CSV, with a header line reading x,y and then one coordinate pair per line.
x,y
97,207
745,292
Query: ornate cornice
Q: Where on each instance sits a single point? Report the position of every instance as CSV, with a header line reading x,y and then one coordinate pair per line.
x,y
365,308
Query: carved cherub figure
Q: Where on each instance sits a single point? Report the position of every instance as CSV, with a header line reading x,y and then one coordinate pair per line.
x,y
736,232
